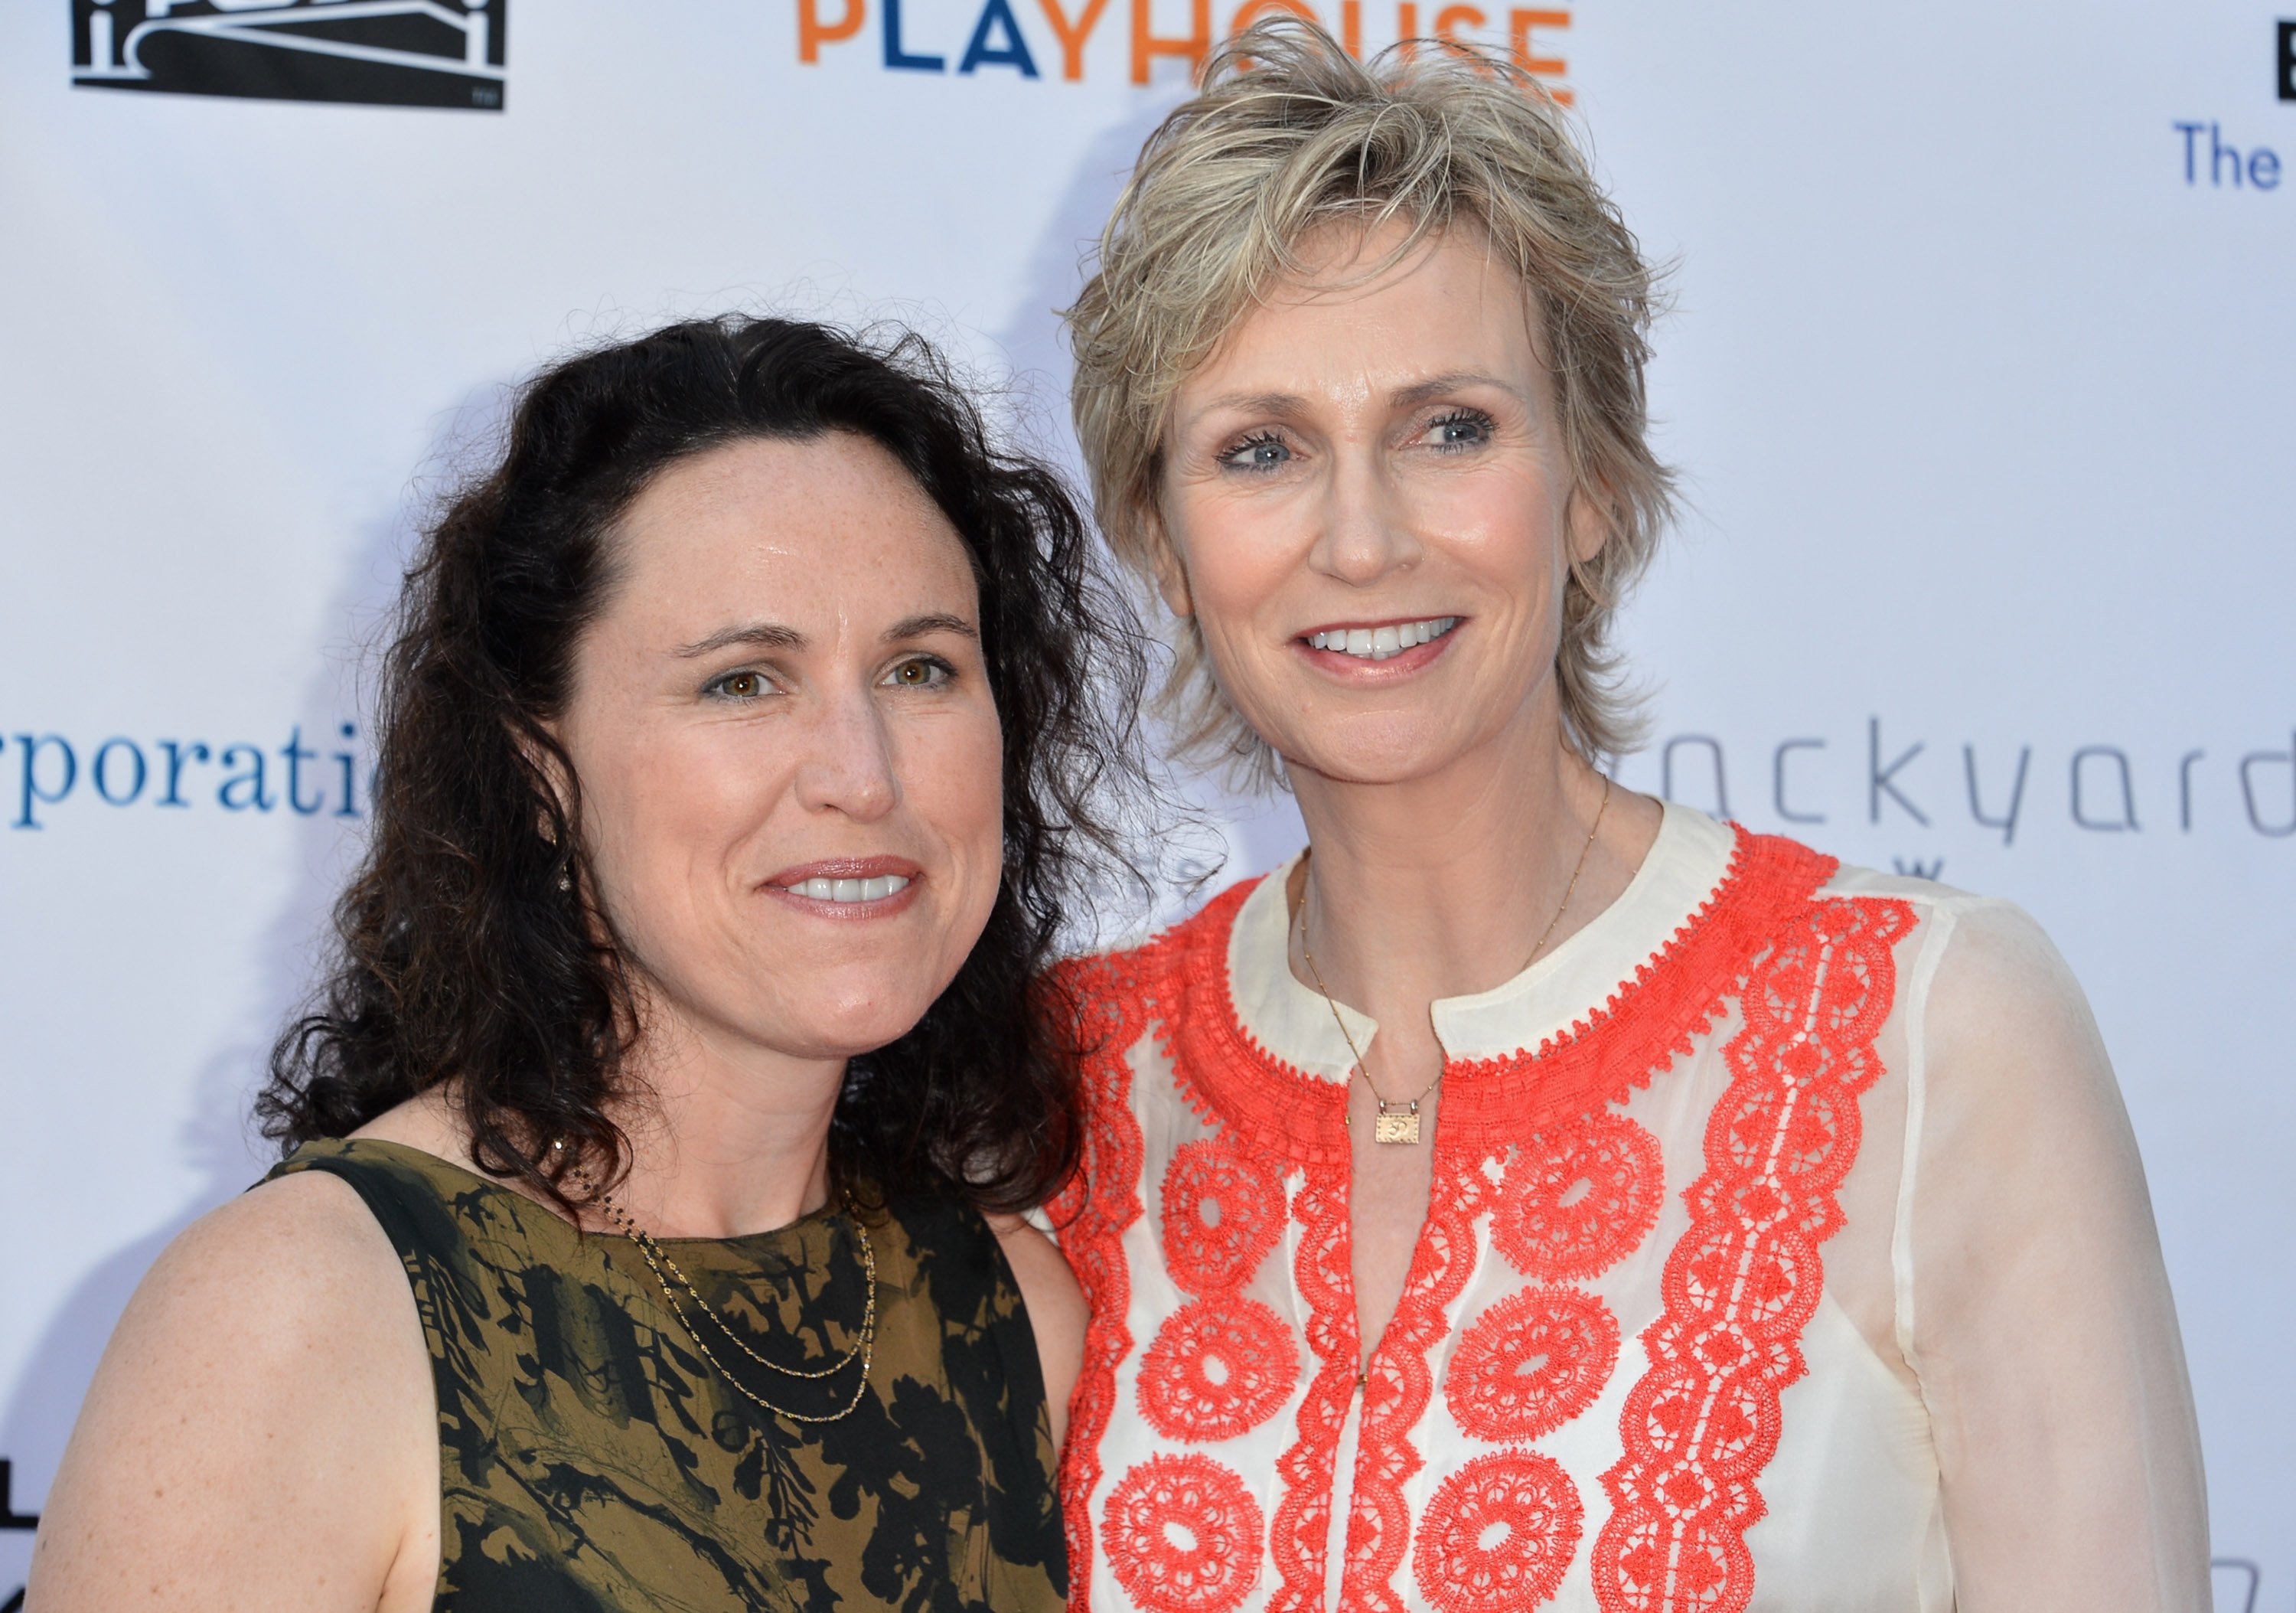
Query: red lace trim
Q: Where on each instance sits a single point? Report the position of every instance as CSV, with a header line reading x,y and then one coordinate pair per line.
x,y
1499,1534
1326,1279
1487,1104
1180,984
1703,1421
1219,1367
1222,1212
1398,1384
1575,1203
1183,1535
1531,1363
1112,998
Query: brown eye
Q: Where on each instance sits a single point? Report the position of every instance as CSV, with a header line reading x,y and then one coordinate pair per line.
x,y
925,673
739,686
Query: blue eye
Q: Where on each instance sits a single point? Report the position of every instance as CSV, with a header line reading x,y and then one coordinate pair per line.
x,y
1264,452
1461,428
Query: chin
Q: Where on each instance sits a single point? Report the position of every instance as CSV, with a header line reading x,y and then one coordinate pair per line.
x,y
845,1025
1375,751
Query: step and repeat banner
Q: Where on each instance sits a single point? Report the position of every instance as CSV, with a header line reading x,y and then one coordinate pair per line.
x,y
1981,369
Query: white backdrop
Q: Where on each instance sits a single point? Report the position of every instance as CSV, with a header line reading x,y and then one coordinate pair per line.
x,y
1980,372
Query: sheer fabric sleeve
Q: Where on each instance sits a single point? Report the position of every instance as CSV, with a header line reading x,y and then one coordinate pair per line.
x,y
2034,1305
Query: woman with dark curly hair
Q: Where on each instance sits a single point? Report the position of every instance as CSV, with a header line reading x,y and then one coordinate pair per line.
x,y
649,1237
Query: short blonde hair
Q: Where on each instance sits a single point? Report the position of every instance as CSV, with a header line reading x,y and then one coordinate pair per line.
x,y
1289,131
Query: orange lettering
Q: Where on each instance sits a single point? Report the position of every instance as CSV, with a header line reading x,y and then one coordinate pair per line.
x,y
1252,11
1351,27
1406,24
1147,46
812,34
1072,36
1519,26
1452,19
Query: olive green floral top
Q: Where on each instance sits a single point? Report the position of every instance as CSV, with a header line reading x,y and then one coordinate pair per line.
x,y
592,1459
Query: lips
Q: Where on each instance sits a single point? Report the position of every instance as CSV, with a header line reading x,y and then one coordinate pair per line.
x,y
846,882
1383,641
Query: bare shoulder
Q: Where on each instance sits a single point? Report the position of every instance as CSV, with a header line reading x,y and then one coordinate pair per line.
x,y
272,1345
1057,1311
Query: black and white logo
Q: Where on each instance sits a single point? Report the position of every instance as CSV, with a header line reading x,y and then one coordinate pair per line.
x,y
379,52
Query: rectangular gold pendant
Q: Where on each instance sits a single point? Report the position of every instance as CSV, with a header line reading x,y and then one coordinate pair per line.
x,y
1395,1128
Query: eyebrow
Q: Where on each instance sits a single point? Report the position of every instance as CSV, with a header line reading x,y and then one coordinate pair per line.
x,y
1435,386
773,635
769,635
1420,391
928,624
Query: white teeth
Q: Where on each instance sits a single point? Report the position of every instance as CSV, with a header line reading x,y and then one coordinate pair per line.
x,y
1379,644
851,889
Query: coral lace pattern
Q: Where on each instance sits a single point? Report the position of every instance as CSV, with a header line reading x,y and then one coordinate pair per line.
x,y
1222,1212
1499,1534
1535,1142
1114,1000
1221,1364
1399,1382
1183,1535
1218,1368
1531,1362
1703,1420
1576,1202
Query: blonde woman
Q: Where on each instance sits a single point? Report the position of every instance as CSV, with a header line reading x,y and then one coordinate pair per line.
x,y
1534,1194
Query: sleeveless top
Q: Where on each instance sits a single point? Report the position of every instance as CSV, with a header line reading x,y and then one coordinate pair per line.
x,y
1765,1208
591,1459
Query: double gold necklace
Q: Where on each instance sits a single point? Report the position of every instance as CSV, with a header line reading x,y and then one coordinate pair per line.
x,y
1398,1122
672,1280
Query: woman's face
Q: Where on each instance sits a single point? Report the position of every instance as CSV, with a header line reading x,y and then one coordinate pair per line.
x,y
788,752
1368,509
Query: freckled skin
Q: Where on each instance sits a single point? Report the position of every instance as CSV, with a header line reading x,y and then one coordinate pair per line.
x,y
272,1373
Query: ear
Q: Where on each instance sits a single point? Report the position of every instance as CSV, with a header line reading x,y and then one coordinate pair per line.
x,y
1587,523
549,765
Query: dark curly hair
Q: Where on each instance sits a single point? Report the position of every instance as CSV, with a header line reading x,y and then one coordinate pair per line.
x,y
460,951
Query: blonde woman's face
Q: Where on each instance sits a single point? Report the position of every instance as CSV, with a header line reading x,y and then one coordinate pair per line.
x,y
1367,504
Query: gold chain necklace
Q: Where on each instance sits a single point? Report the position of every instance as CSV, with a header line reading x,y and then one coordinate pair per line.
x,y
667,1272
1399,1121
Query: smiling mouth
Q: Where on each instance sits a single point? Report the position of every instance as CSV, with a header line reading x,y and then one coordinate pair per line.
x,y
848,891
1382,643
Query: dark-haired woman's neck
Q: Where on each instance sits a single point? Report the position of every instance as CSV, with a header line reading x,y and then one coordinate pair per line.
x,y
726,1137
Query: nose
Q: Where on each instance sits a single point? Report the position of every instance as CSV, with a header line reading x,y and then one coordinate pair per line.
x,y
1366,530
849,767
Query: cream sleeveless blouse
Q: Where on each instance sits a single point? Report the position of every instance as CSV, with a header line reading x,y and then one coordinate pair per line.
x,y
1788,1249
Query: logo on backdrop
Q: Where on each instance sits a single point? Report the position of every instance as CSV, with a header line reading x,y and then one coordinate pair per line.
x,y
2217,160
1151,33
375,52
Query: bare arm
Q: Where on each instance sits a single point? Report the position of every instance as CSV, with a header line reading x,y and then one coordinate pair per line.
x,y
1056,1309
260,1435
2041,1325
